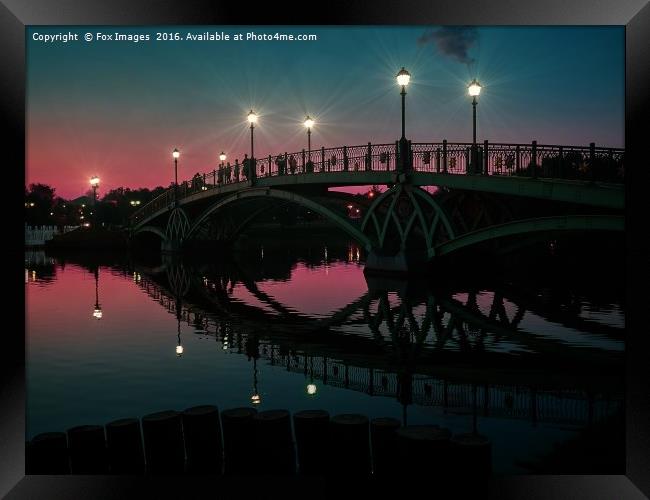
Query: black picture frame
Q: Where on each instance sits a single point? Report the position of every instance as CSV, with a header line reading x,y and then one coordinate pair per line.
x,y
15,15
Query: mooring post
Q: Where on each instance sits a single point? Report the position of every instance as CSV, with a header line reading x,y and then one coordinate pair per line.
x,y
345,158
423,450
238,440
274,443
49,454
163,442
124,443
312,438
202,436
87,445
349,445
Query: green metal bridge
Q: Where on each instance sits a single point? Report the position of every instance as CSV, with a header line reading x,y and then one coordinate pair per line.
x,y
405,225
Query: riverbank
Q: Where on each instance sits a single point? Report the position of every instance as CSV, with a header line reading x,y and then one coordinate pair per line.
x,y
89,239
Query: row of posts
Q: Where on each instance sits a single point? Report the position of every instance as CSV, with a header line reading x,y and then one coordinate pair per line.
x,y
243,441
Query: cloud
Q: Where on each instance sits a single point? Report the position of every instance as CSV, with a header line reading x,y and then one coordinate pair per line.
x,y
452,41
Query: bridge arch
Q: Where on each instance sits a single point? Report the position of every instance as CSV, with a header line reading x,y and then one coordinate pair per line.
x,y
286,196
150,229
536,225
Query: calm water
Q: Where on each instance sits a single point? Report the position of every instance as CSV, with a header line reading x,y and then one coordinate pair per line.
x,y
533,367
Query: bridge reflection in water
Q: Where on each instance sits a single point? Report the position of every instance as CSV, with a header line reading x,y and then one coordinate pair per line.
x,y
459,350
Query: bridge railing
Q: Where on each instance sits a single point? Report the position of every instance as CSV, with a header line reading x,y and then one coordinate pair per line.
x,y
588,163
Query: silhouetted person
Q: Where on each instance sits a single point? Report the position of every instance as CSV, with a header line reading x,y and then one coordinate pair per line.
x,y
237,170
292,164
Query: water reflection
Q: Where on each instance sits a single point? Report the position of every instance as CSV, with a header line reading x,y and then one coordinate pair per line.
x,y
468,352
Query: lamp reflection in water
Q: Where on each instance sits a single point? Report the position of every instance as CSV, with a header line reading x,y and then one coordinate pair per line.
x,y
179,347
255,398
311,387
97,312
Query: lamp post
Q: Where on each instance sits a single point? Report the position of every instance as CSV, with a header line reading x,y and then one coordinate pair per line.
x,y
252,119
94,183
176,153
403,78
474,89
97,311
309,123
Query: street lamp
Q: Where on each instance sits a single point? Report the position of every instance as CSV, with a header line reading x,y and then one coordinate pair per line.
x,y
309,123
474,89
94,183
176,153
403,78
252,119
222,157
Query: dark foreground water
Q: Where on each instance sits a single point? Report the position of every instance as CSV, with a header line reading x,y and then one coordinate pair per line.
x,y
536,365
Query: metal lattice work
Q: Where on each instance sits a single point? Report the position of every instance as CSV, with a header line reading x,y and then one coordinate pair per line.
x,y
178,225
405,211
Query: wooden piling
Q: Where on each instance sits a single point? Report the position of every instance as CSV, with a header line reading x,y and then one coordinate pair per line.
x,y
312,429
238,440
49,454
203,443
274,443
124,445
471,453
87,446
163,442
349,447
423,450
384,445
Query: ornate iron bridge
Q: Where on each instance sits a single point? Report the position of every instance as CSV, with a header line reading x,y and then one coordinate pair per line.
x,y
407,340
406,223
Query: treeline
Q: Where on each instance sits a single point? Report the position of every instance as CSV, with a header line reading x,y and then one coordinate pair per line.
x,y
44,207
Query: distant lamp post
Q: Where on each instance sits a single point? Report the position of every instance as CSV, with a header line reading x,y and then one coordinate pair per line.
x,y
309,123
222,157
94,183
97,312
176,153
474,89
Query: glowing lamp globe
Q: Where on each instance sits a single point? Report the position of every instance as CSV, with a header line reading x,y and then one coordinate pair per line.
x,y
222,156
474,88
252,117
309,123
94,181
179,350
176,153
97,313
403,77
311,389
256,399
